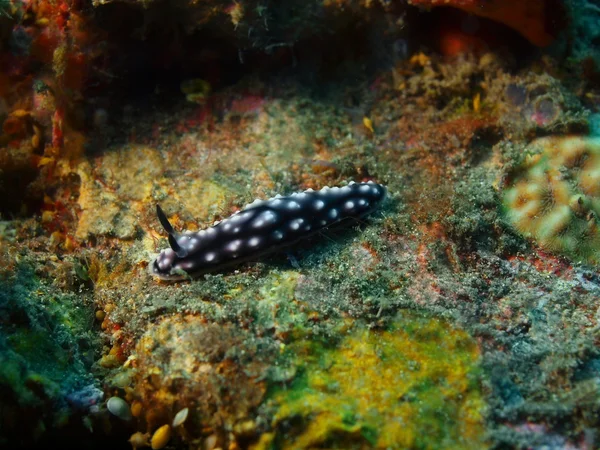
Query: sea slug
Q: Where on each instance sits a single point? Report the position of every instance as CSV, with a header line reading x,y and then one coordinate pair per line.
x,y
261,227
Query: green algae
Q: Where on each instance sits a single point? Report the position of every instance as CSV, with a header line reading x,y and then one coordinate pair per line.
x,y
277,307
415,384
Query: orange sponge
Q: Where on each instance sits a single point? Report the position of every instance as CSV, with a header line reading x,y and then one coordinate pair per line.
x,y
536,20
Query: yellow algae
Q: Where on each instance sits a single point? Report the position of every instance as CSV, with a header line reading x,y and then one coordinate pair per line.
x,y
196,90
414,385
202,198
236,12
477,102
368,123
115,193
420,59
136,409
96,213
132,172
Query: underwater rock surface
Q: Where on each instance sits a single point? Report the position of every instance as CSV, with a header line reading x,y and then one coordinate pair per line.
x,y
462,314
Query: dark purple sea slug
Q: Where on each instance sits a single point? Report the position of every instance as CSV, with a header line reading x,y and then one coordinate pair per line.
x,y
261,227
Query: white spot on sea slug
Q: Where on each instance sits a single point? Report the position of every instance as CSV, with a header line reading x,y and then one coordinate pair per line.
x,y
309,190
364,188
351,183
349,204
236,229
211,231
276,202
193,243
301,195
374,190
362,202
242,216
265,218
293,205
295,224
278,235
333,214
165,259
319,204
323,222
345,190
325,189
307,228
163,263
187,265
210,256
234,245
370,182
253,242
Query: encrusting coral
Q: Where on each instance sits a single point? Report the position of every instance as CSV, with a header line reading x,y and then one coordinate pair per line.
x,y
556,199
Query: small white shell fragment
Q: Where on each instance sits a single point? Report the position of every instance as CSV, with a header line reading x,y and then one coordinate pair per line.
x,y
119,408
210,443
180,417
123,379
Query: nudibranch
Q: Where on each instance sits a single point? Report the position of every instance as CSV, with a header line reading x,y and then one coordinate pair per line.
x,y
261,227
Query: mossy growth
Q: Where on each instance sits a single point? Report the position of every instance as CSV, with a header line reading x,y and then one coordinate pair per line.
x,y
555,198
415,384
46,353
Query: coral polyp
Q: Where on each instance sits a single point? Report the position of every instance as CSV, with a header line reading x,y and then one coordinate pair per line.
x,y
555,200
